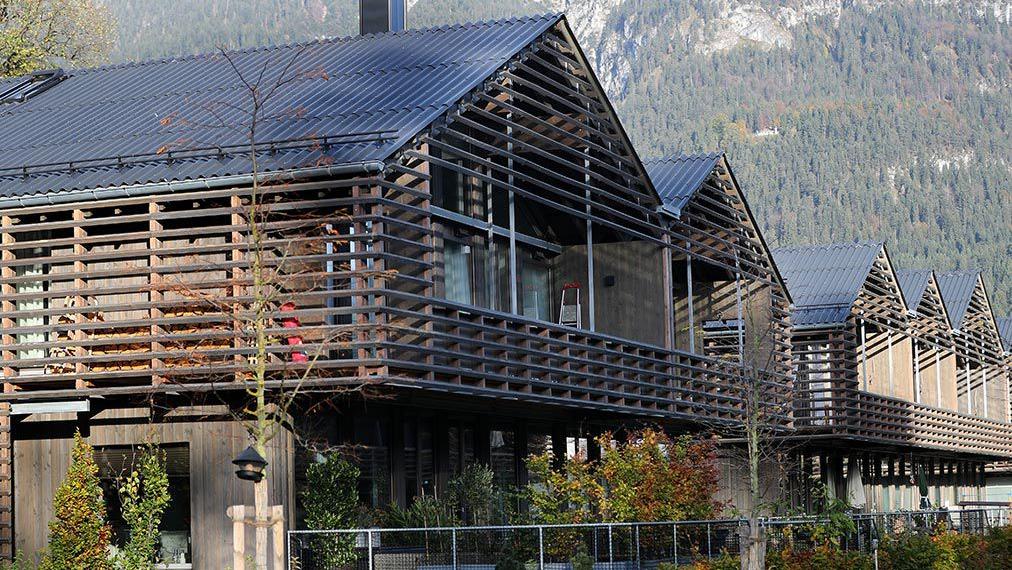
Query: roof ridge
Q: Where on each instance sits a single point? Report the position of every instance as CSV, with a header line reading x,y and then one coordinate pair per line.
x,y
318,41
958,272
838,245
683,156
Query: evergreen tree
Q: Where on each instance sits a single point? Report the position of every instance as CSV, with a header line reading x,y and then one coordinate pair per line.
x,y
78,534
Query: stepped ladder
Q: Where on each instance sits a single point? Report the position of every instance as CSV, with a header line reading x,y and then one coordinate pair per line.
x,y
571,314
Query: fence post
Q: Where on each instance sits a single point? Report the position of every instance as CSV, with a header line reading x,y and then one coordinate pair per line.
x,y
453,547
709,542
674,538
541,547
637,527
611,552
368,536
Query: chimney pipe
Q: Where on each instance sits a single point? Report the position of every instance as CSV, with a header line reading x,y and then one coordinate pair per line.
x,y
378,16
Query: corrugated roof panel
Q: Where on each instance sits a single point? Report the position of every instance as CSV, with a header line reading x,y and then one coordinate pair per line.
x,y
380,90
825,280
1005,330
913,284
677,178
957,292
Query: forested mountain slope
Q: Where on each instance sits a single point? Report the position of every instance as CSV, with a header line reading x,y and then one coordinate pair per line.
x,y
844,119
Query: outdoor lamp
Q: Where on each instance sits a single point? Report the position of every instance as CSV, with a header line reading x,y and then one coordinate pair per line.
x,y
250,465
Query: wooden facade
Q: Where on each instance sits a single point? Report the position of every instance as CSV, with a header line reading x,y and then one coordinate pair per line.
x,y
442,274
445,279
885,391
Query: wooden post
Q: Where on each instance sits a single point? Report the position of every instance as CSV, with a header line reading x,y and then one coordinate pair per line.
x,y
864,357
688,283
669,307
238,515
80,302
242,516
155,295
6,484
917,373
969,389
892,383
938,378
983,387
7,290
278,527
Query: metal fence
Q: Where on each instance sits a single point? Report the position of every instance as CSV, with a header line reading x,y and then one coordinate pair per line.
x,y
619,546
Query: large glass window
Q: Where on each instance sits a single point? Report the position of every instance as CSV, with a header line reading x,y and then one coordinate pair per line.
x,y
116,462
476,271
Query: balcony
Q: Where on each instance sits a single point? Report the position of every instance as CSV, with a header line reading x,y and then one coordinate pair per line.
x,y
864,416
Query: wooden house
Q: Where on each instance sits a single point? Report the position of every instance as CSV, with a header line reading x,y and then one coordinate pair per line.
x,y
468,262
879,390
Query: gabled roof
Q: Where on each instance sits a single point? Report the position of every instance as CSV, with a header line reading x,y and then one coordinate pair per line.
x,y
957,289
677,178
112,126
825,280
913,283
1005,330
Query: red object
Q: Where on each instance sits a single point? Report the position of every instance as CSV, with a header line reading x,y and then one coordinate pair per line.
x,y
572,285
292,322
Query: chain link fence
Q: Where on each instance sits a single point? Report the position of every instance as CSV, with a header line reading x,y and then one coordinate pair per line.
x,y
619,546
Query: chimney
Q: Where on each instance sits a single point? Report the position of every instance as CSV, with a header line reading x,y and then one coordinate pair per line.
x,y
378,16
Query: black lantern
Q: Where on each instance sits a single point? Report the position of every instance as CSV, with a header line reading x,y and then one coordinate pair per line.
x,y
250,465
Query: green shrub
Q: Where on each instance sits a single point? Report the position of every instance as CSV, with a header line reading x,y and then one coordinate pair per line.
x,y
998,548
78,534
723,562
909,551
20,562
826,556
330,500
582,560
957,551
144,495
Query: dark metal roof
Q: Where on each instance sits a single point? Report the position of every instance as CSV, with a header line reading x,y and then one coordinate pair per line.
x,y
1005,330
150,122
824,280
677,178
957,289
913,284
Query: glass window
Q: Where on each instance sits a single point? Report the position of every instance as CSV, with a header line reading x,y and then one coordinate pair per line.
x,y
373,457
503,456
29,310
460,193
536,285
457,272
477,274
115,463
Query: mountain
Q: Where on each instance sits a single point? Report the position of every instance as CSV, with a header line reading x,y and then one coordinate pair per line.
x,y
844,119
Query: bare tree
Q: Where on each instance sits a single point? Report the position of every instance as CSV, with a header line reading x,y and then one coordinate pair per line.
x,y
277,245
757,439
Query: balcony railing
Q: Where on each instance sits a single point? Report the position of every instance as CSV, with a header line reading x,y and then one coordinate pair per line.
x,y
888,420
461,348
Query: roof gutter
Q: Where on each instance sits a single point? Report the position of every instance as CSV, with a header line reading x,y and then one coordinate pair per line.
x,y
134,190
